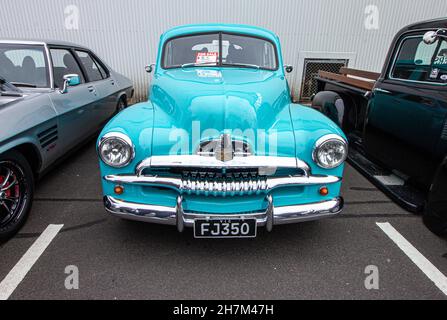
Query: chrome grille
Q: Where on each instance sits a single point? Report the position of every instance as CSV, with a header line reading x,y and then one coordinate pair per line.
x,y
229,184
199,175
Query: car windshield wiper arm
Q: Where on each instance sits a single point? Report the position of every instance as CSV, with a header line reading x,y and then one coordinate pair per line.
x,y
20,84
243,65
7,87
193,64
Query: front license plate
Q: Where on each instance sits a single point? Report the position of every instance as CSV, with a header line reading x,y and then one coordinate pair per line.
x,y
225,228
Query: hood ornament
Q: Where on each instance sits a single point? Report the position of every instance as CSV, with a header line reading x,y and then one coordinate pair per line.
x,y
224,149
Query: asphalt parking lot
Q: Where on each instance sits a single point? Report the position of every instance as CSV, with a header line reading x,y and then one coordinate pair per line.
x,y
129,260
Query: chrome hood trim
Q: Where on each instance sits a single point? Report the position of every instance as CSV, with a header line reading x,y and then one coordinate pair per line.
x,y
263,163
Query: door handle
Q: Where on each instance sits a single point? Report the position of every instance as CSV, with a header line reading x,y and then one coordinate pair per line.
x,y
382,91
92,90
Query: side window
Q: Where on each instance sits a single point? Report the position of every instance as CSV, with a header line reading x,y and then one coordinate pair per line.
x,y
64,63
92,68
418,61
104,72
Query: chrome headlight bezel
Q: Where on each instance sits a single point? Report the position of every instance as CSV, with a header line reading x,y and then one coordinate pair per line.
x,y
121,137
330,138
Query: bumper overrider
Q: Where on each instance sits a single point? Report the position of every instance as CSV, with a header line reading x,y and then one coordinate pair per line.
x,y
176,215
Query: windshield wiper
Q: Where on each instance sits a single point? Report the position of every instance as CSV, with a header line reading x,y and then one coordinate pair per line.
x,y
7,88
21,84
243,65
193,64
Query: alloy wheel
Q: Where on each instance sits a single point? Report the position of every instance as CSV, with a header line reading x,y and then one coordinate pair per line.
x,y
13,192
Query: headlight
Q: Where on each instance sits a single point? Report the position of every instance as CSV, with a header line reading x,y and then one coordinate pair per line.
x,y
116,149
330,151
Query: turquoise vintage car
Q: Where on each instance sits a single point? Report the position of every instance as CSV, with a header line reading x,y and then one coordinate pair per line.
x,y
220,146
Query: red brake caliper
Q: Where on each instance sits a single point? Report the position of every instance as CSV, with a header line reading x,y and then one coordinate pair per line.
x,y
8,192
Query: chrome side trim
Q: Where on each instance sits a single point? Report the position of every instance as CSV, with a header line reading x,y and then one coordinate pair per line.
x,y
264,163
176,216
50,67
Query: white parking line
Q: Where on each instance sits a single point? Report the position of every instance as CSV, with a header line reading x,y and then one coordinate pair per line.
x,y
439,279
20,270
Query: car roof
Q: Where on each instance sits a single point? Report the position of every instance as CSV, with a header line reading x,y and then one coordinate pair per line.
x,y
423,25
43,42
214,27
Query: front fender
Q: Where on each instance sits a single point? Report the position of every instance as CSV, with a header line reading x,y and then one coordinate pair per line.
x,y
137,123
308,126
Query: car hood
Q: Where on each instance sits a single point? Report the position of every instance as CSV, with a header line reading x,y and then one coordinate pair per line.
x,y
199,104
7,99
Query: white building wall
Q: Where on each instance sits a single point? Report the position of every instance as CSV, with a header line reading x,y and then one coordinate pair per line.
x,y
125,33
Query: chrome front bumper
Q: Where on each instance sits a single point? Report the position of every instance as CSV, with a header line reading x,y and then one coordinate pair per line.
x,y
176,216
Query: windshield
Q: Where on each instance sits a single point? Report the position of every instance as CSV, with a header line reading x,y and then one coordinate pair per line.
x,y
205,50
24,65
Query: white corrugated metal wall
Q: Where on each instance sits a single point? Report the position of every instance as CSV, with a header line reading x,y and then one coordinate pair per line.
x,y
126,33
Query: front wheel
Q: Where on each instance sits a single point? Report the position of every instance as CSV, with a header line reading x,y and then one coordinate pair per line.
x,y
435,215
435,224
122,104
16,193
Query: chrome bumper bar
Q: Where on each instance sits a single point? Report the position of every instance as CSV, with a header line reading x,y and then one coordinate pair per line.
x,y
176,216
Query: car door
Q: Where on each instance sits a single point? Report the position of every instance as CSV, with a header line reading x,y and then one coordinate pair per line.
x,y
105,85
407,112
73,107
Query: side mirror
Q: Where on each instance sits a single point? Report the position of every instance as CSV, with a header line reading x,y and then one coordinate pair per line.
x,y
70,80
149,68
288,68
430,37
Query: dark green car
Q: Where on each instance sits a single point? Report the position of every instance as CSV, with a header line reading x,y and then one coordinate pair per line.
x,y
396,121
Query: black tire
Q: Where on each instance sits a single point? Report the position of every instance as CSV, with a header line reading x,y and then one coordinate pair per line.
x,y
435,224
16,193
121,105
435,214
331,105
